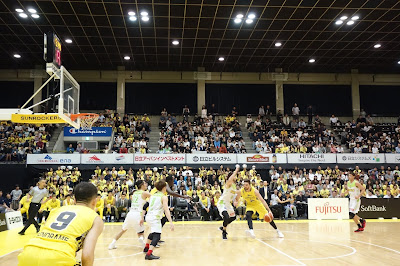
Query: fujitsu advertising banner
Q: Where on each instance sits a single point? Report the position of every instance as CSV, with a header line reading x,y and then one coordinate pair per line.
x,y
328,208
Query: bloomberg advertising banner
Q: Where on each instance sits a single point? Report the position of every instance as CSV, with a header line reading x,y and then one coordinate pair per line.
x,y
159,158
360,158
94,132
53,159
392,158
101,158
328,208
261,158
379,208
311,158
211,158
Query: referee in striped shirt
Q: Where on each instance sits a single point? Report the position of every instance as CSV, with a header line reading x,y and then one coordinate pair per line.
x,y
37,193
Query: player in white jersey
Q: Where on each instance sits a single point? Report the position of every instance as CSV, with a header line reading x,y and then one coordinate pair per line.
x,y
355,190
157,207
134,218
224,203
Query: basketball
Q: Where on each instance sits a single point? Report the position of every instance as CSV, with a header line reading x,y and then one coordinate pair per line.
x,y
268,217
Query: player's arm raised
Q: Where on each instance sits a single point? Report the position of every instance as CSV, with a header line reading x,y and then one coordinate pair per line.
x,y
361,188
174,194
90,242
166,211
230,180
260,198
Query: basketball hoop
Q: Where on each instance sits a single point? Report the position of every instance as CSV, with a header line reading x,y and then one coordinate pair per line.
x,y
87,119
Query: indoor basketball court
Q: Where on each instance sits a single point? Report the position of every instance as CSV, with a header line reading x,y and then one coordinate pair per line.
x,y
200,243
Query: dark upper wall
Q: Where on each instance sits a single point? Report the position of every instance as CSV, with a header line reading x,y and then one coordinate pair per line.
x,y
380,100
325,99
15,93
246,97
151,98
98,95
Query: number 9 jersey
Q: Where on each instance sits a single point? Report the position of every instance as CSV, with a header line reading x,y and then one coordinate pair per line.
x,y
65,229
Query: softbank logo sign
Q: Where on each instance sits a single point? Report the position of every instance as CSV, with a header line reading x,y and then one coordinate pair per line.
x,y
328,209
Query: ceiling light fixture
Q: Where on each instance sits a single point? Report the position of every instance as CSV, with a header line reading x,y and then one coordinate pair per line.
x,y
144,13
31,10
248,21
17,56
35,16
239,16
221,59
68,40
237,20
133,18
312,60
377,45
350,22
127,57
175,42
131,13
278,44
355,18
251,16
343,17
23,15
398,62
145,18
19,10
339,22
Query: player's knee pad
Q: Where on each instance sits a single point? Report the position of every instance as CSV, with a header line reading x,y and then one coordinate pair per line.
x,y
156,238
351,215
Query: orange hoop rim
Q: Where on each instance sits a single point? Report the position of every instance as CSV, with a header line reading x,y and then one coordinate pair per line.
x,y
83,115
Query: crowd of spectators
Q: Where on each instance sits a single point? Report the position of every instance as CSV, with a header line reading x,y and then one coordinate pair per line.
x,y
18,140
364,136
285,190
205,133
291,134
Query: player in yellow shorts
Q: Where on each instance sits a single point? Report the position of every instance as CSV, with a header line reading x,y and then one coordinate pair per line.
x,y
66,231
254,203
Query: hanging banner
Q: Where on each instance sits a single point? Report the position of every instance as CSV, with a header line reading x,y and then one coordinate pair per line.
x,y
211,158
94,132
54,158
262,158
159,158
360,158
311,158
101,158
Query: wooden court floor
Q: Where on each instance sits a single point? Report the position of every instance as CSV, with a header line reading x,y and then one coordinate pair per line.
x,y
199,243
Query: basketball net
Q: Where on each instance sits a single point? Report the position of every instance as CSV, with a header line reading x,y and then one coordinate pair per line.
x,y
87,119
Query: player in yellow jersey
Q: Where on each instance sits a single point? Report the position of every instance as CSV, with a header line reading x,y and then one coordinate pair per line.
x,y
99,208
24,204
254,203
66,231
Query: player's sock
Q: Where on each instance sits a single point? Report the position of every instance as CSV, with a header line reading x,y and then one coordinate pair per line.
x,y
149,252
273,225
112,245
147,245
359,225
